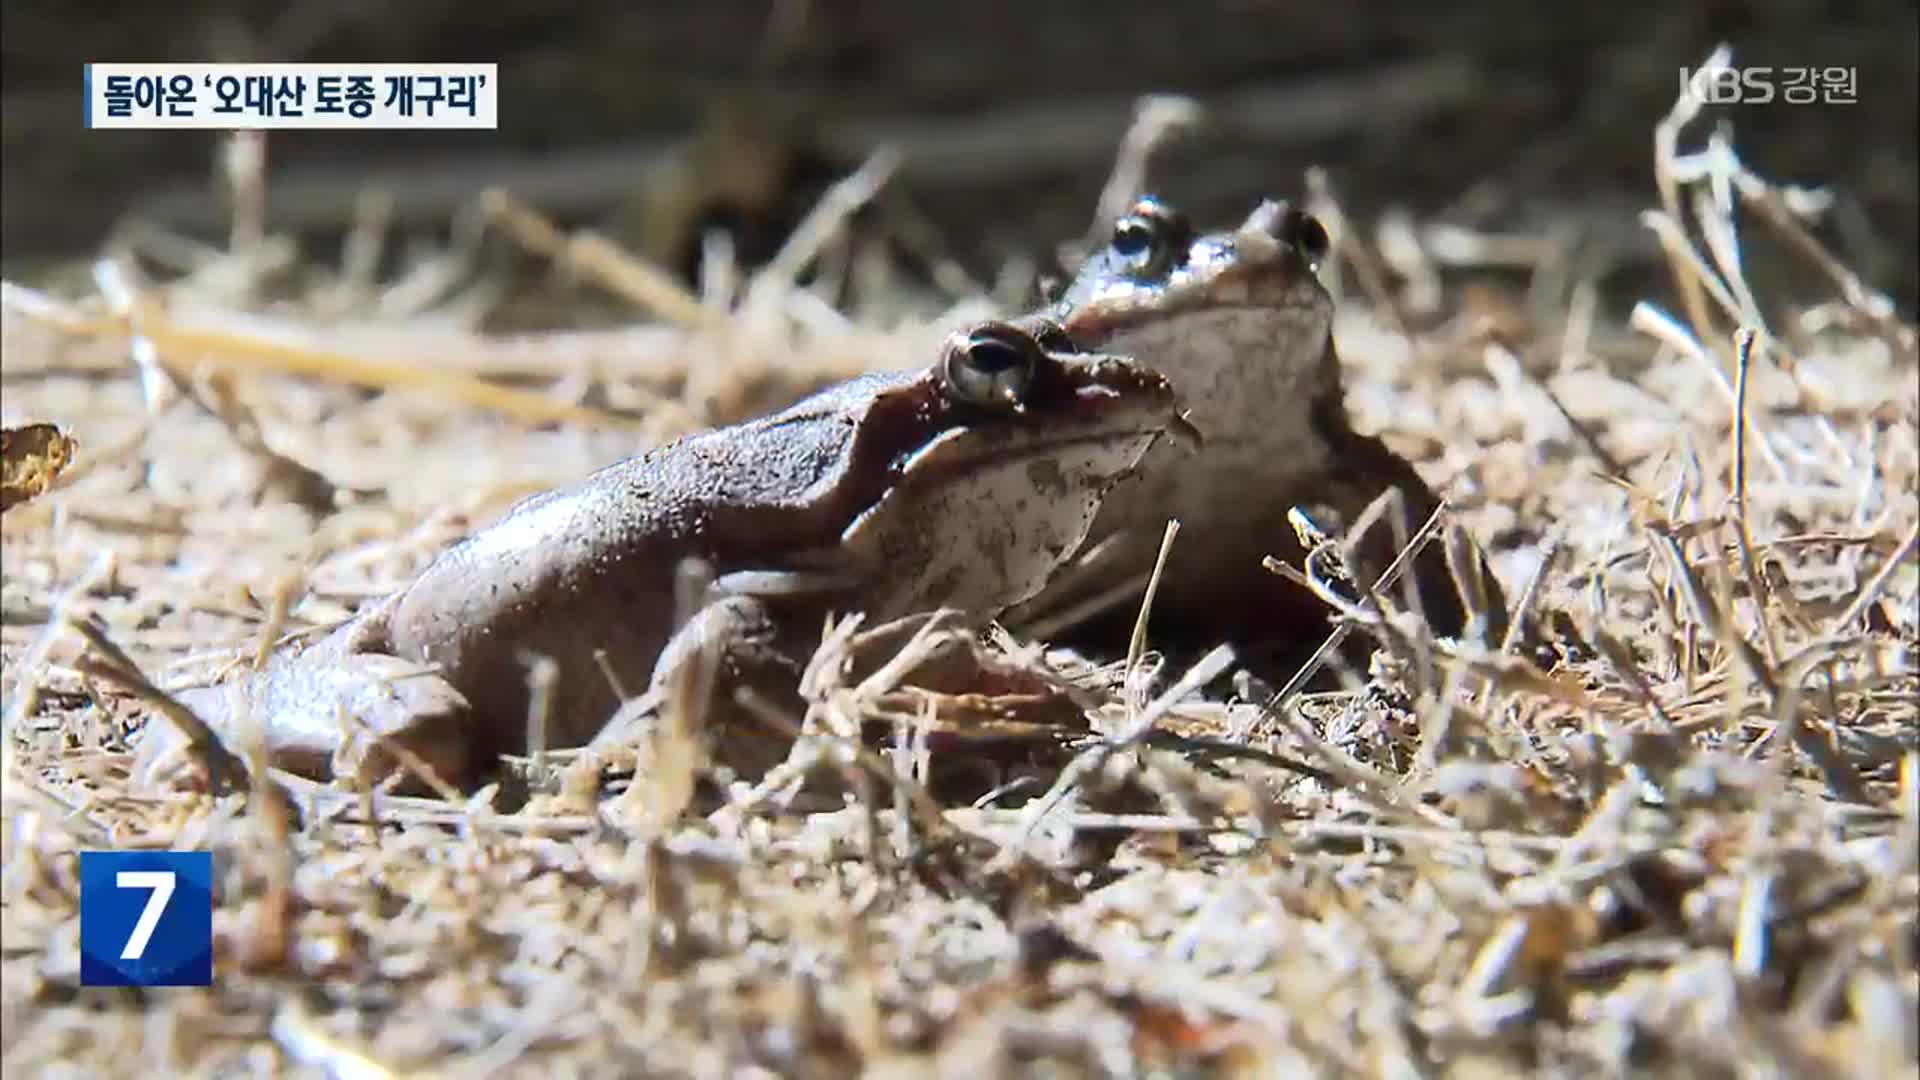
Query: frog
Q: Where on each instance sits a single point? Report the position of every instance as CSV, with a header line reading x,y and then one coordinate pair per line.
x,y
1242,324
959,485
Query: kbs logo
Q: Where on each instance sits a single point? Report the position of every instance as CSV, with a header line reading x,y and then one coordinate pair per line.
x,y
1722,85
146,918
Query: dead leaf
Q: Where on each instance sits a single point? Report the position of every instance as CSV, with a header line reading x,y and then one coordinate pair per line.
x,y
31,457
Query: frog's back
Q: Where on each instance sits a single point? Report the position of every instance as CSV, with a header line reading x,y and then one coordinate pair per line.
x,y
591,568
730,495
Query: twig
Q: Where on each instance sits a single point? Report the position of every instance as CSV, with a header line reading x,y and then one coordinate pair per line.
x,y
1156,119
1657,324
1743,531
1530,594
238,349
1878,583
24,695
408,760
1280,698
1137,641
1685,264
1876,306
825,221
1621,658
1205,671
225,772
624,274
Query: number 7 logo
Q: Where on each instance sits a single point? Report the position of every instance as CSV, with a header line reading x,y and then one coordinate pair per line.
x,y
146,918
161,882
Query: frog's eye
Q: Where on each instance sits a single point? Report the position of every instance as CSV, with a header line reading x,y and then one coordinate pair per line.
x,y
1150,238
1303,233
992,364
1133,236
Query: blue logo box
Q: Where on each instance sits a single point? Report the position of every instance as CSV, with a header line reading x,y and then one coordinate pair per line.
x,y
146,918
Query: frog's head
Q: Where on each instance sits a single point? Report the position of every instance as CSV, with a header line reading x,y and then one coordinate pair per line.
x,y
1236,318
1154,268
998,456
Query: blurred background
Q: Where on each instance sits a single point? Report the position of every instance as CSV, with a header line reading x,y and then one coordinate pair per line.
x,y
655,122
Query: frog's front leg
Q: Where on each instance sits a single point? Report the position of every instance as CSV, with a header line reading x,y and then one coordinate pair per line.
x,y
329,709
735,641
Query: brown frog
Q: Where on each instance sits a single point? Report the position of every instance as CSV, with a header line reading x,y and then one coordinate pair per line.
x,y
963,485
1242,326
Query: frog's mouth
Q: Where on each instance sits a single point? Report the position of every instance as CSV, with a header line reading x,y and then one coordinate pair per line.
x,y
956,453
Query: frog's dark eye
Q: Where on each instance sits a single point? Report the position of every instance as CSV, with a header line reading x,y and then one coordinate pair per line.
x,y
992,364
1132,236
1150,238
1303,233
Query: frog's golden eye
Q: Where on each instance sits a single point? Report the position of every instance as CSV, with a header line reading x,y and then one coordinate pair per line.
x,y
992,364
1303,233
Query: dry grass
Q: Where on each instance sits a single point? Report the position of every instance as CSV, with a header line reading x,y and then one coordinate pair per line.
x,y
1670,827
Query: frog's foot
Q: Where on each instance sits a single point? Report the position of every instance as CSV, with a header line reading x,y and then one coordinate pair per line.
x,y
326,714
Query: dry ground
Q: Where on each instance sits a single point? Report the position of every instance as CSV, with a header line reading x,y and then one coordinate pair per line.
x,y
1670,827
